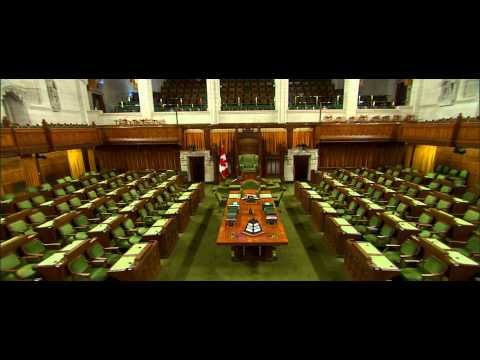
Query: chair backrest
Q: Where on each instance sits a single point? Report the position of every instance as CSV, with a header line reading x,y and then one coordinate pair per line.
x,y
425,218
142,212
59,192
39,199
417,179
250,184
471,215
34,246
63,207
412,191
92,195
352,205
129,224
150,207
341,197
66,229
134,193
463,174
25,204
37,217
387,230
441,227
443,205
430,200
434,185
453,172
96,250
18,226
78,265
470,196
9,261
377,194
370,190
374,220
409,247
447,189
473,244
127,197
433,265
388,182
46,187
118,232
75,201
401,208
403,188
93,180
81,220
70,188
393,201
361,211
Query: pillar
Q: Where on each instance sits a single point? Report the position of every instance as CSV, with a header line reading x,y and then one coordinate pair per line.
x,y
350,97
415,94
281,99
75,162
31,170
214,99
145,96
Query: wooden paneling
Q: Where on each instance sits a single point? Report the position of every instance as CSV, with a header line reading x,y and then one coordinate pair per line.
x,y
469,135
470,161
31,140
71,138
355,132
8,146
428,134
159,157
141,135
360,154
55,166
11,173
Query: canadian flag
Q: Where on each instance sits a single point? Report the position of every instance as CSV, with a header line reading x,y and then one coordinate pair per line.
x,y
223,165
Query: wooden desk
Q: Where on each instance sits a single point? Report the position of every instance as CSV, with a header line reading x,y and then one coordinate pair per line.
x,y
460,268
337,231
140,263
320,210
163,231
259,246
180,212
54,268
364,262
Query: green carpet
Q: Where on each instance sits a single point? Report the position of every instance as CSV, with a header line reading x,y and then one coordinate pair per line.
x,y
197,257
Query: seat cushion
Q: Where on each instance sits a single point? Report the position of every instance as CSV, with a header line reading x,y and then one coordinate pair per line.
x,y
361,228
98,274
393,256
81,235
26,271
134,239
411,274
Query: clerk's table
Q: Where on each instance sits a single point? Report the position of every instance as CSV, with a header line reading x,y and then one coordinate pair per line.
x,y
244,244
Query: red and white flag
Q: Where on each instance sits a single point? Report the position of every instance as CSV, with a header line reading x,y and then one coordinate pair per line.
x,y
223,166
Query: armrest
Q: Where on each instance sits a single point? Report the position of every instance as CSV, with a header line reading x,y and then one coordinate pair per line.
x,y
361,221
412,261
383,237
429,276
132,231
99,261
122,237
424,225
140,222
372,228
112,248
32,257
459,243
82,274
81,227
53,245
94,219
412,217
396,246
84,201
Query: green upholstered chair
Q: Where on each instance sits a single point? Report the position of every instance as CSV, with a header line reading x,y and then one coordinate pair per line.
x,y
46,187
82,222
93,180
424,221
446,189
145,218
248,162
70,189
20,227
277,197
369,192
438,168
470,249
85,183
168,198
81,269
472,216
417,179
112,206
357,216
134,193
434,185
445,169
31,189
439,230
101,191
161,204
441,177
123,240
250,185
129,177
69,233
392,203
430,268
371,225
127,198
92,195
408,177
383,238
37,250
412,191
453,173
25,204
113,185
430,200
388,183
444,205
350,209
13,268
403,188
61,181
59,192
98,254
76,202
377,196
222,199
130,227
37,218
152,211
401,210
38,200
395,252
63,208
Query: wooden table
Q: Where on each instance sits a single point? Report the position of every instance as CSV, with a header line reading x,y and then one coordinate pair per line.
x,y
245,246
140,263
337,231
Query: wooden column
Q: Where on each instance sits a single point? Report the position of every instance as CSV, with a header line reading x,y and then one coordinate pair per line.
x,y
31,170
289,137
91,159
206,136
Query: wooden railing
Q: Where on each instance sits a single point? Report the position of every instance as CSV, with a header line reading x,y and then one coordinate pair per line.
x,y
19,141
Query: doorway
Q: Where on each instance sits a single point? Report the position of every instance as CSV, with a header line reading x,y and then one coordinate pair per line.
x,y
300,165
197,168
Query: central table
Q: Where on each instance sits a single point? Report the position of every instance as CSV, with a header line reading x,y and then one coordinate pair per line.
x,y
259,246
